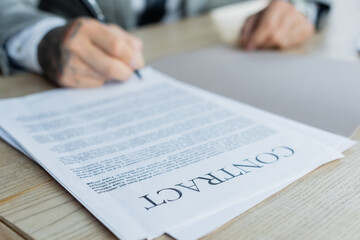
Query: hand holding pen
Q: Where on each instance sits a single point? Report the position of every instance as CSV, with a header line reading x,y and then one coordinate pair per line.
x,y
87,53
95,11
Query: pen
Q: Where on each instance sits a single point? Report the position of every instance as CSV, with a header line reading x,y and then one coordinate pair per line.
x,y
95,11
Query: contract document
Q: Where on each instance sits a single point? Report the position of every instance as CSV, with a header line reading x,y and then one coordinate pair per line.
x,y
159,156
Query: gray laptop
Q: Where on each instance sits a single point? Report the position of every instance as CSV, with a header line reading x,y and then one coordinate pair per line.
x,y
320,92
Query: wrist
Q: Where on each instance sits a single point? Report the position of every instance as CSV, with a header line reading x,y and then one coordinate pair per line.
x,y
315,11
50,53
22,48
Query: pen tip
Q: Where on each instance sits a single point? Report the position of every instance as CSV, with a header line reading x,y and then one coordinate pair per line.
x,y
137,73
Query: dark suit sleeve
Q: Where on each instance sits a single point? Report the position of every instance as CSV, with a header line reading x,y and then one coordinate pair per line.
x,y
15,15
323,9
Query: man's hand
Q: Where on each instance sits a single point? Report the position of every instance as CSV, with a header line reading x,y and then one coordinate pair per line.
x,y
87,53
279,25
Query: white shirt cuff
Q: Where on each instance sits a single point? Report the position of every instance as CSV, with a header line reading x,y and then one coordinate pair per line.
x,y
22,48
310,10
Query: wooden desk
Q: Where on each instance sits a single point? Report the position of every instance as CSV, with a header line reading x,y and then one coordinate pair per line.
x,y
323,204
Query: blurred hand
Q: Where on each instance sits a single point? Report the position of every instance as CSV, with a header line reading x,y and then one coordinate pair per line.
x,y
279,25
87,53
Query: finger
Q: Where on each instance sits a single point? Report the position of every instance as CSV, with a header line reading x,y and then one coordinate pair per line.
x,y
134,42
107,66
248,29
281,35
295,30
268,23
83,82
259,36
138,46
139,60
270,42
78,74
299,35
113,44
301,31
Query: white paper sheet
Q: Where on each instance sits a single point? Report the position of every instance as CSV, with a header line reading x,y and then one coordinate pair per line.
x,y
205,226
150,156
